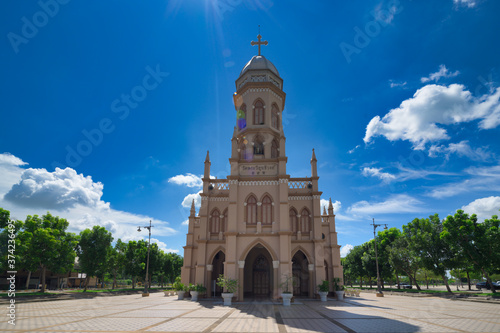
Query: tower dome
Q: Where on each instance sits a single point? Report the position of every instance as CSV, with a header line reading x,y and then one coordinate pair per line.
x,y
259,62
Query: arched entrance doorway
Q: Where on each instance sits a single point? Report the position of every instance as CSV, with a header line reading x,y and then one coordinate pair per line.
x,y
301,274
218,268
258,273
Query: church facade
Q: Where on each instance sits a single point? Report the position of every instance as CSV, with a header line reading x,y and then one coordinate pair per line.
x,y
260,225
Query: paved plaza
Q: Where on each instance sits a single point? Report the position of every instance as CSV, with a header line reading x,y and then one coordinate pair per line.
x,y
157,313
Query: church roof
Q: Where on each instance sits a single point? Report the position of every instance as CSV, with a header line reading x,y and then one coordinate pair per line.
x,y
259,62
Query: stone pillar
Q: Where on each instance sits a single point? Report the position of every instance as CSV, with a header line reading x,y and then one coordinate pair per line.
x,y
310,267
276,265
241,279
208,285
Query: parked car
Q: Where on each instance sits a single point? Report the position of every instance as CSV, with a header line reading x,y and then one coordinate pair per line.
x,y
485,285
405,286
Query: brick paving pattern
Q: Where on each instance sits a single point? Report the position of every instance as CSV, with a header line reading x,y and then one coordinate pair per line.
x,y
157,313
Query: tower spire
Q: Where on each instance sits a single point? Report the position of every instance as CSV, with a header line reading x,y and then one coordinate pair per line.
x,y
314,165
330,208
206,174
193,209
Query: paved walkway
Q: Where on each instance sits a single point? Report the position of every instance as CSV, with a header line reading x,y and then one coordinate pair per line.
x,y
157,313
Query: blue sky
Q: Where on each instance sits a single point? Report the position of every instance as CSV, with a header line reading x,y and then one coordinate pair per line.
x,y
400,99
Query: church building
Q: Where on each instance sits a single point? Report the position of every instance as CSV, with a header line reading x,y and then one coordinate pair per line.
x,y
260,225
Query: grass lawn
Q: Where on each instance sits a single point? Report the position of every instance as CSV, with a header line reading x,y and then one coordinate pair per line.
x,y
425,291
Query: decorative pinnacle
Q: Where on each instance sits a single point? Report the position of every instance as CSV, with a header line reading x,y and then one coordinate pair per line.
x,y
207,159
313,158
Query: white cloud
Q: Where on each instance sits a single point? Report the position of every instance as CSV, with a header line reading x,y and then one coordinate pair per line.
x,y
188,200
162,246
417,118
443,72
480,179
185,222
9,159
397,84
377,172
344,250
188,180
353,149
61,189
465,3
401,203
461,149
71,196
484,208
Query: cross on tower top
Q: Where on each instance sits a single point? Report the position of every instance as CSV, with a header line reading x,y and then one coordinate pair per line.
x,y
259,43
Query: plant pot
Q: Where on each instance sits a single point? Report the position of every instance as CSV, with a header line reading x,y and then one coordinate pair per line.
x,y
145,294
180,295
194,296
340,295
227,298
323,295
286,298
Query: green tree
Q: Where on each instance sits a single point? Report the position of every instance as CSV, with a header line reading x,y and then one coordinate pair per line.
x,y
92,251
480,242
385,239
353,264
136,259
47,245
403,259
116,259
436,255
172,266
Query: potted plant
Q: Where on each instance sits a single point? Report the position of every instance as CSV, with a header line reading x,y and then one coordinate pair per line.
x,y
179,287
229,285
339,289
196,291
324,288
286,293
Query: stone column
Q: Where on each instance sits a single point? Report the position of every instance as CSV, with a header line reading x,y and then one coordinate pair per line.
x,y
310,267
276,265
209,269
241,279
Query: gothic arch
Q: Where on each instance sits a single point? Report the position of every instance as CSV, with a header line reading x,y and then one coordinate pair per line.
x,y
258,144
249,248
275,118
302,219
266,194
251,211
259,112
304,251
214,253
214,221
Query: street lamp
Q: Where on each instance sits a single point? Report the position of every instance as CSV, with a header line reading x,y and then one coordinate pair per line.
x,y
147,262
379,285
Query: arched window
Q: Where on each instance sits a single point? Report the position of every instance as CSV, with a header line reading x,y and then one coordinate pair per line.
x,y
293,220
275,118
274,149
243,152
267,210
258,113
252,210
223,221
215,222
305,221
241,117
258,145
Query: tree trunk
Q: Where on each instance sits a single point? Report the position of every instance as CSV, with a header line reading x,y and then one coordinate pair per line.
x,y
86,283
370,281
43,279
102,282
445,279
397,281
133,283
414,277
114,279
28,280
426,280
488,280
468,279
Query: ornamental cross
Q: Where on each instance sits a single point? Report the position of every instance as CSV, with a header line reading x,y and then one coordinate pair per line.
x,y
259,42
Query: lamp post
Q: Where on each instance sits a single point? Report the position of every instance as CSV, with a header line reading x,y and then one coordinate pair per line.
x,y
379,285
147,262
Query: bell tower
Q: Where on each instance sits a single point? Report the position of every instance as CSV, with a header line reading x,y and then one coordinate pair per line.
x,y
258,136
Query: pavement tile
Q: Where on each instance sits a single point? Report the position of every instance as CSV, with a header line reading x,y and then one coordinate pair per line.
x,y
250,311
215,312
311,325
147,313
248,325
299,311
184,325
109,324
467,325
33,323
390,325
